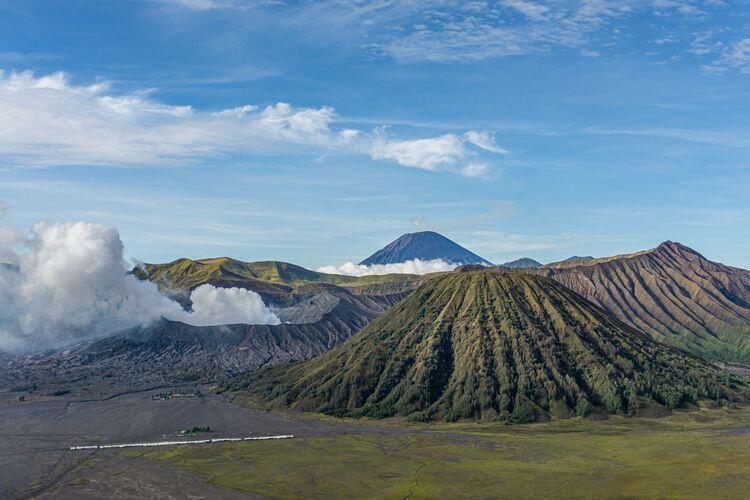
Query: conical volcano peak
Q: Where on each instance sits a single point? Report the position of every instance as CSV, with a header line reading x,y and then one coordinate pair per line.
x,y
676,248
424,245
494,344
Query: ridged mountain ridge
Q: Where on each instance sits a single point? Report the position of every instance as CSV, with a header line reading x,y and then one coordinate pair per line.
x,y
667,246
673,293
493,344
424,245
275,281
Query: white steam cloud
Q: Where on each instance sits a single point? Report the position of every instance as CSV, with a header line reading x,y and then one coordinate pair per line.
x,y
221,306
68,282
415,266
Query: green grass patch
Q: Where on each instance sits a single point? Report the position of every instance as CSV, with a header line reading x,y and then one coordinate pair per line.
x,y
688,455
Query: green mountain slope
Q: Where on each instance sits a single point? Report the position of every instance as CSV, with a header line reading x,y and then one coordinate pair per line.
x,y
672,293
272,279
485,344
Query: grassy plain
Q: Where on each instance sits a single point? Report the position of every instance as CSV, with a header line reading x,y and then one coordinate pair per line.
x,y
697,454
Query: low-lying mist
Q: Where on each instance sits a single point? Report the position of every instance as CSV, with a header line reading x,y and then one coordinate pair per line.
x,y
415,266
62,283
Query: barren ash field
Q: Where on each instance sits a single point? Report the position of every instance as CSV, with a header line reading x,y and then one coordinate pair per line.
x,y
689,454
36,459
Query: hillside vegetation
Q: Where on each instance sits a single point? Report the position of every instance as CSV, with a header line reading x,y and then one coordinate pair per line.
x,y
273,280
689,455
493,344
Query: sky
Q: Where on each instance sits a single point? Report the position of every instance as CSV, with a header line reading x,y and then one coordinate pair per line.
x,y
317,132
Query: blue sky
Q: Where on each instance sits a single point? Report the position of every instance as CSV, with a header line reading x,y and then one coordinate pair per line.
x,y
317,132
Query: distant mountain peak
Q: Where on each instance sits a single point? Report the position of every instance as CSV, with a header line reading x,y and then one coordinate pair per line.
x,y
522,263
424,245
675,247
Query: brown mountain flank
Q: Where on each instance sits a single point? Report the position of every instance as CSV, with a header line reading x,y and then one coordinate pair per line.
x,y
671,292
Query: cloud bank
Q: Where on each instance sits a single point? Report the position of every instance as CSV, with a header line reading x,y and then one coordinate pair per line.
x,y
68,282
48,120
415,266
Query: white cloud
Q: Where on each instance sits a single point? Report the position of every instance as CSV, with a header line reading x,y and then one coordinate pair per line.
x,y
197,4
48,120
469,40
683,7
68,282
239,111
442,153
428,154
484,140
475,170
496,242
218,306
724,138
297,125
704,42
415,266
457,31
534,11
473,31
735,56
590,53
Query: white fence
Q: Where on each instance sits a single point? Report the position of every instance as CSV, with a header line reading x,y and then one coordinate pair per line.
x,y
174,443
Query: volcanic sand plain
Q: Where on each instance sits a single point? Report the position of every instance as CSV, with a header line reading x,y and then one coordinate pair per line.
x,y
690,454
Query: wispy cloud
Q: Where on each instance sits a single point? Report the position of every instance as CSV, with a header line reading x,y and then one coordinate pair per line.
x,y
683,7
454,31
532,10
483,140
720,138
735,56
500,246
23,57
48,120
198,4
475,170
493,211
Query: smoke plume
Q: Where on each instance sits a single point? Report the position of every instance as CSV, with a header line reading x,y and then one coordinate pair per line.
x,y
67,282
222,306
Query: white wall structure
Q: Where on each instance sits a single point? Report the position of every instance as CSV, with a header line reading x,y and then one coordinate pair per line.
x,y
177,443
